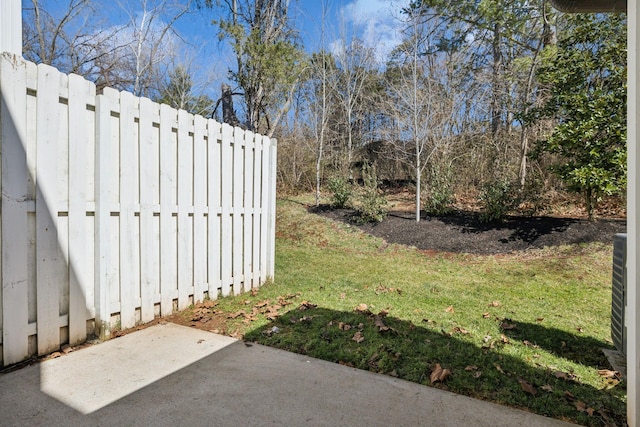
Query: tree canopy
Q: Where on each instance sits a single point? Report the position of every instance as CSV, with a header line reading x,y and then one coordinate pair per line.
x,y
586,89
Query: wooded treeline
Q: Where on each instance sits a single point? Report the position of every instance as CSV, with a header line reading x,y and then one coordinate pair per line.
x,y
505,100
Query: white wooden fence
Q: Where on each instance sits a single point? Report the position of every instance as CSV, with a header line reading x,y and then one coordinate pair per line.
x,y
116,209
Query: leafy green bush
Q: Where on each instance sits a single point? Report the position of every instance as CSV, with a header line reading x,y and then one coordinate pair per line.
x,y
373,205
341,192
439,192
498,198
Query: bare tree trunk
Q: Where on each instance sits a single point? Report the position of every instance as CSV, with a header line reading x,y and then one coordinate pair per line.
x,y
228,112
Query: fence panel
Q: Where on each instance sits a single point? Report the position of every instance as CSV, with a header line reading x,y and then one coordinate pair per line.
x,y
116,209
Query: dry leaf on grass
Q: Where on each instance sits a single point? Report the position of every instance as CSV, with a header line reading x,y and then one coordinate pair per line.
x,y
527,387
449,309
606,373
506,326
547,387
209,303
563,375
494,304
358,337
582,407
486,315
362,308
344,326
306,305
439,374
237,314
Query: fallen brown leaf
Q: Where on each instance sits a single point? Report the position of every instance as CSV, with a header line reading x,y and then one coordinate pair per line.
x,y
358,337
471,368
344,326
507,326
527,387
362,307
606,373
306,305
450,309
486,315
459,330
582,407
547,387
377,320
504,339
439,374
262,304
494,304
237,314
209,303
563,375
499,368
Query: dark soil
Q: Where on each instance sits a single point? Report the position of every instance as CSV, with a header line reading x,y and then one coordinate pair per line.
x,y
463,232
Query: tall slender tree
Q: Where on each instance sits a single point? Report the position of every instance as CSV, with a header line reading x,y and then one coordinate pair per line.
x,y
268,58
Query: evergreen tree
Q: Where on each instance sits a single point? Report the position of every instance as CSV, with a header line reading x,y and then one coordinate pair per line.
x,y
586,78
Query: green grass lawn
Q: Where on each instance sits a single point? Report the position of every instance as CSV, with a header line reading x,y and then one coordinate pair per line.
x,y
524,330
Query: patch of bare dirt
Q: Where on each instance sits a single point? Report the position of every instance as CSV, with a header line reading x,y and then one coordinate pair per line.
x,y
463,232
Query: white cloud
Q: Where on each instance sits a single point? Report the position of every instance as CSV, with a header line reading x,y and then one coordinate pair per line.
x,y
375,22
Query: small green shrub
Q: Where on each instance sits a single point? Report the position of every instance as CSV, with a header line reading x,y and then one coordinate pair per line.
x,y
373,205
439,192
341,192
498,198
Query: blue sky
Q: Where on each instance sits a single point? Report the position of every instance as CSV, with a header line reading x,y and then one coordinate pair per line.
x,y
373,21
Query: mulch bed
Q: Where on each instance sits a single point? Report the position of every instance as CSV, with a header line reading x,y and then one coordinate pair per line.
x,y
463,232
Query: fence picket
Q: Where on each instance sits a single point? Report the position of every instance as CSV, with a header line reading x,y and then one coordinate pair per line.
x,y
247,251
226,201
214,200
185,204
168,279
14,289
80,90
129,275
238,183
257,207
199,208
48,250
149,195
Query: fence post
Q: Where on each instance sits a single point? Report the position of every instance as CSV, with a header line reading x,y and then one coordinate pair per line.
x,y
271,217
11,26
